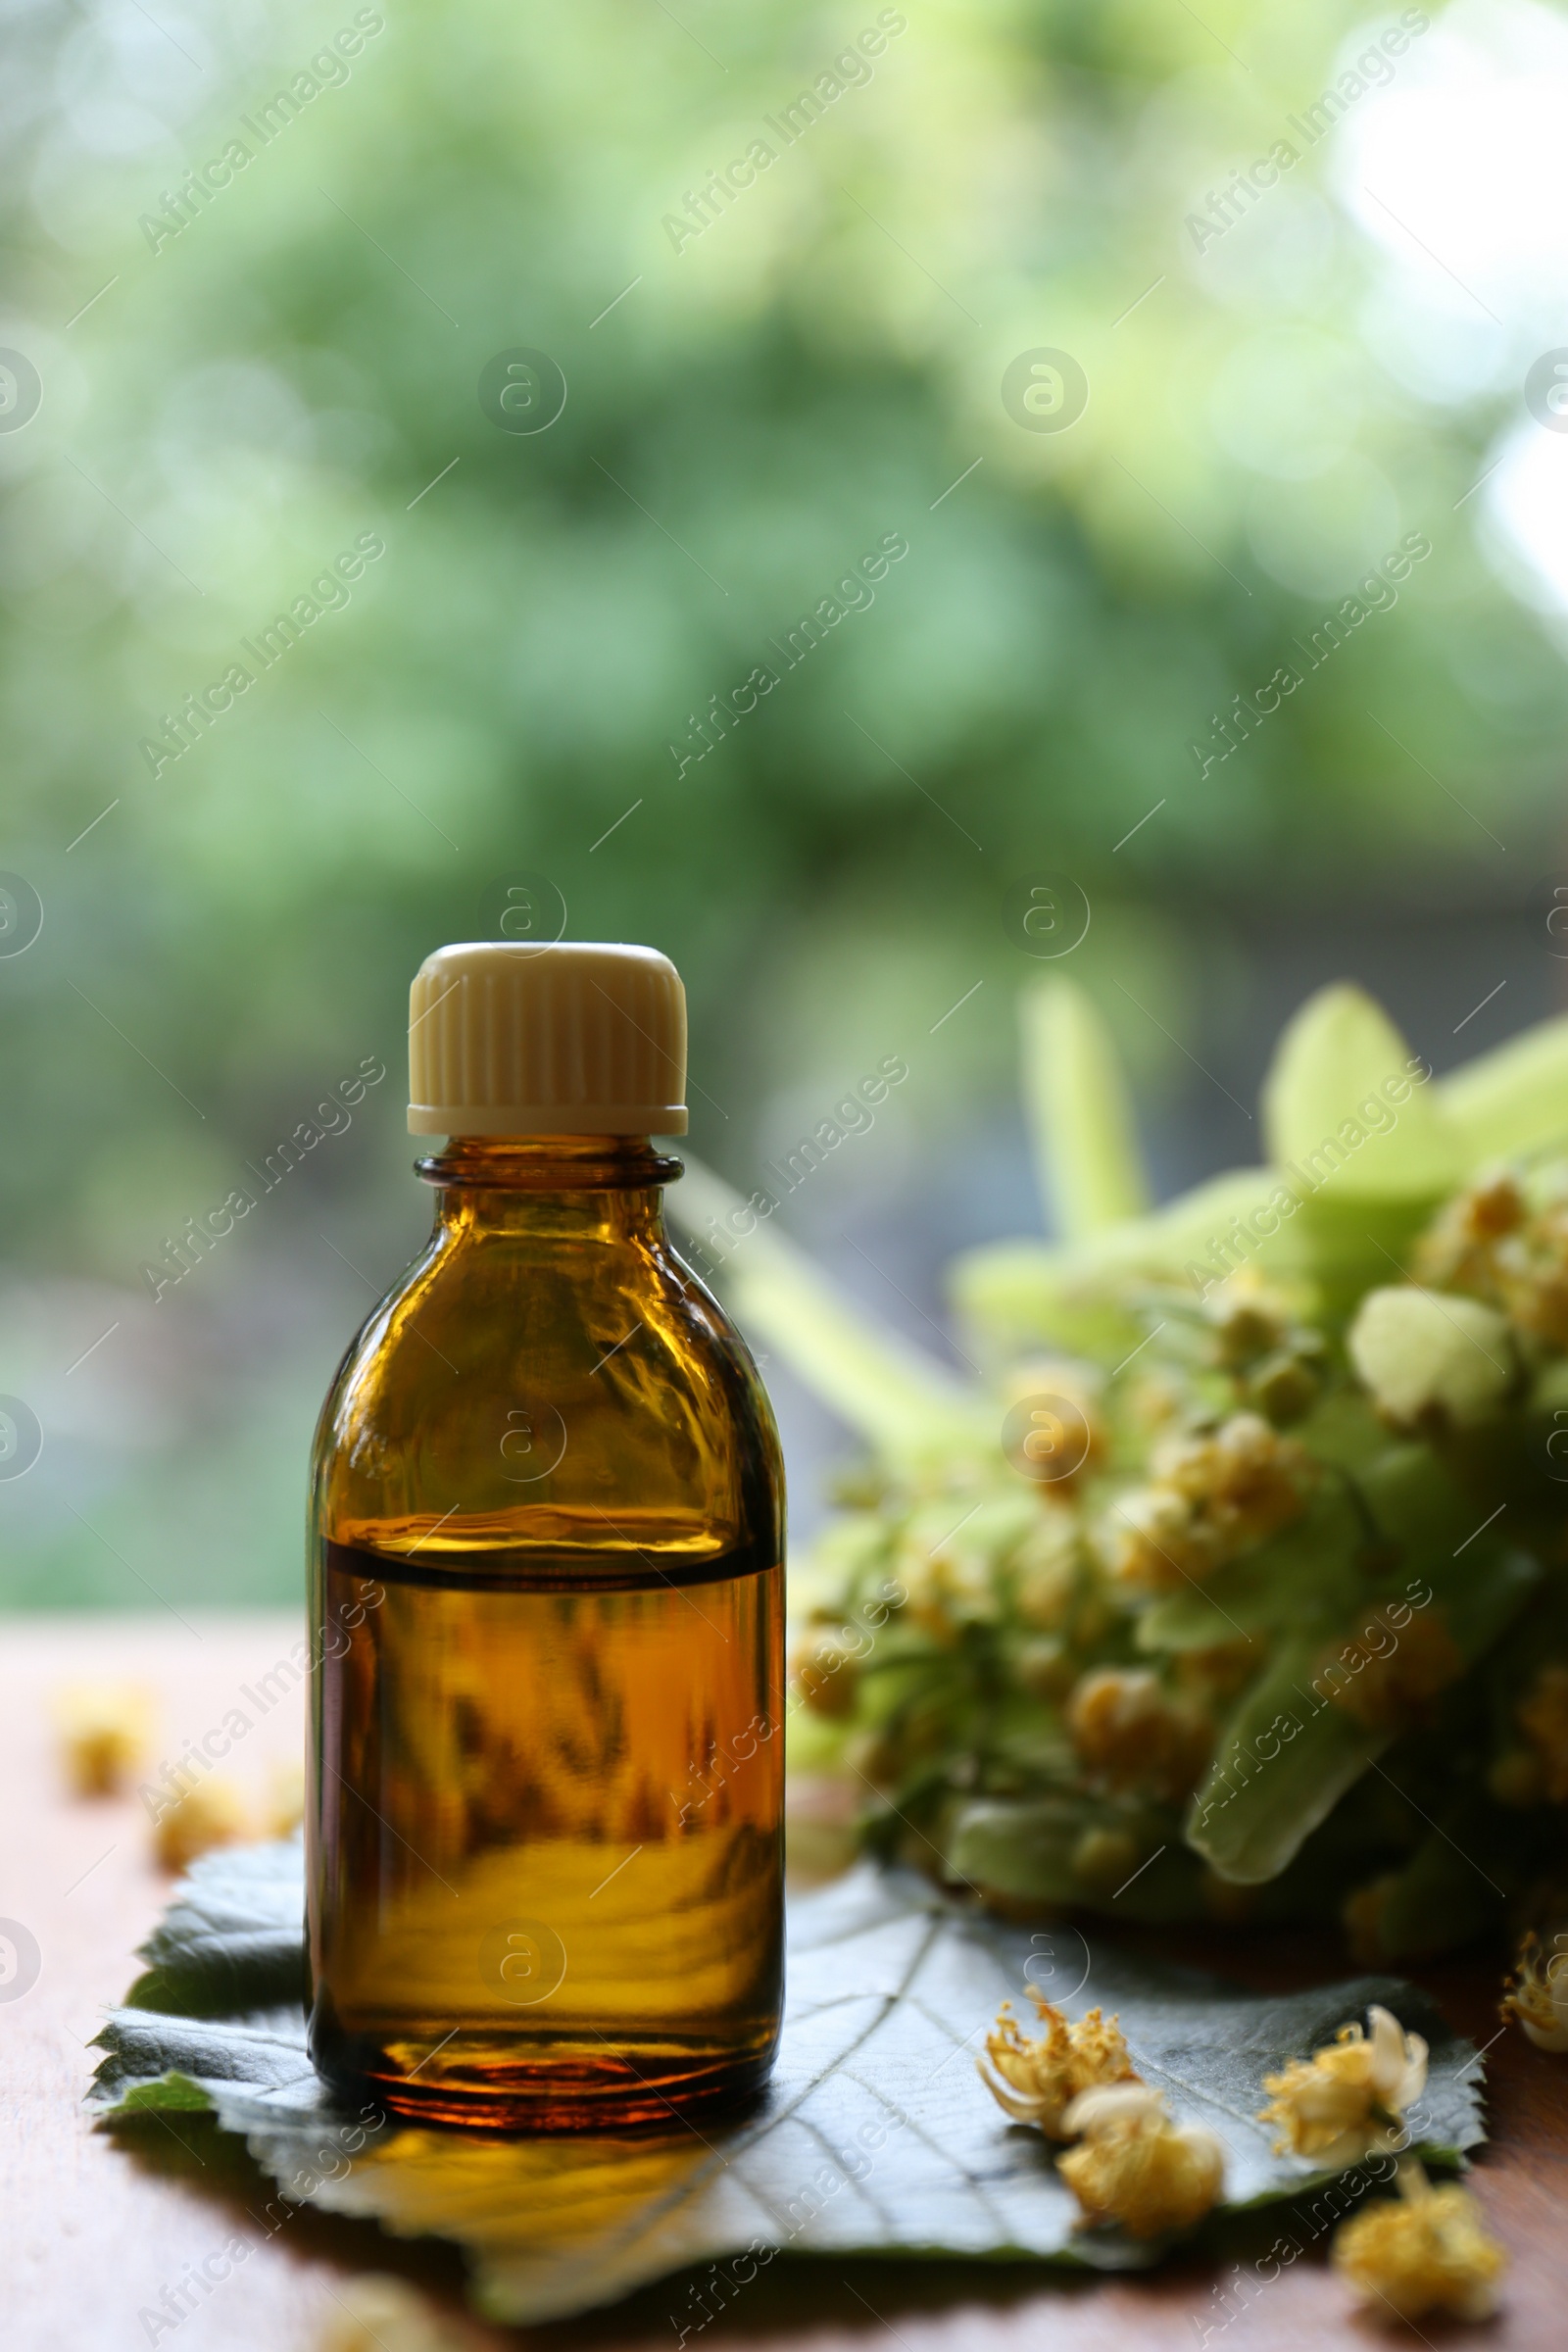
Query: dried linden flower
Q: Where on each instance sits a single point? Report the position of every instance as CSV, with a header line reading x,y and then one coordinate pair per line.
x,y
1425,1357
1212,1499
104,1730
212,1813
1130,1732
1428,2250
1348,2100
1135,2166
1538,1996
1036,2082
1542,1717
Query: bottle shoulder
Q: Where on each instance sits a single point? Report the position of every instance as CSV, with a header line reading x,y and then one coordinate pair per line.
x,y
563,1311
538,1391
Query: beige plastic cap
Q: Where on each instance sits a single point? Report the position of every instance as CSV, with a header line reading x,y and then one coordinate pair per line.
x,y
561,1040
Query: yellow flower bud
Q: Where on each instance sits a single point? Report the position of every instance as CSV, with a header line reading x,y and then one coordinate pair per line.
x,y
1245,1476
1152,1541
1129,1733
1248,1322
1458,1249
1283,1387
1074,1431
1212,1497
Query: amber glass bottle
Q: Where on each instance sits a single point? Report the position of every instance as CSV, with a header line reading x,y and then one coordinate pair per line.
x,y
544,1830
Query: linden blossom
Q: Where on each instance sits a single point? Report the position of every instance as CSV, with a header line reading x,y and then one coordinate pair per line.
x,y
327,70
848,71
327,593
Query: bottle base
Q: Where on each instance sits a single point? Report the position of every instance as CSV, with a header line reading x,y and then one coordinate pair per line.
x,y
498,2089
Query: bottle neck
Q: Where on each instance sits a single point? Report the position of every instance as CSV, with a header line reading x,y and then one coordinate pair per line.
x,y
604,1186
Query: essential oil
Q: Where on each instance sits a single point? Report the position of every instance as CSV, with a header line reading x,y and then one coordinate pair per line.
x,y
545,1850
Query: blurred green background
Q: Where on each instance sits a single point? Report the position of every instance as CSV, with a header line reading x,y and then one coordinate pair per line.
x,y
1284,380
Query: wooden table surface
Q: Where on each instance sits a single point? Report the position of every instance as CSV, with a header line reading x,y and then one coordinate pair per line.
x,y
93,2232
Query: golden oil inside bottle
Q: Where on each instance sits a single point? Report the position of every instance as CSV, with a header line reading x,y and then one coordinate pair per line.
x,y
548,1888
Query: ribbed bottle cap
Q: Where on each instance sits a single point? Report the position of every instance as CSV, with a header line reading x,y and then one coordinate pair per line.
x,y
558,1040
